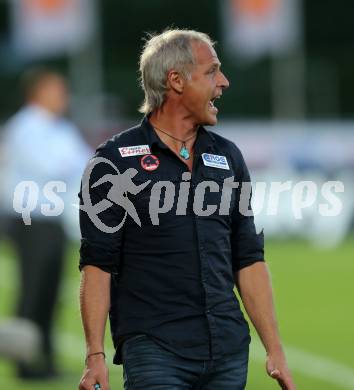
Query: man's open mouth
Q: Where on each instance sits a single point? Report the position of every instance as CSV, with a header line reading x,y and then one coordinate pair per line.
x,y
212,101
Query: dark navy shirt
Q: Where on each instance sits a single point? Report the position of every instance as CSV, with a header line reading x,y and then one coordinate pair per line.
x,y
173,281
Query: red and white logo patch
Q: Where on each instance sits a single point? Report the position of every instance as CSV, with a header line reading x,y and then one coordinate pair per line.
x,y
130,151
149,162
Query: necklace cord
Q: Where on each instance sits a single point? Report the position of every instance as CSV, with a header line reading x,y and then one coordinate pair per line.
x,y
175,138
183,152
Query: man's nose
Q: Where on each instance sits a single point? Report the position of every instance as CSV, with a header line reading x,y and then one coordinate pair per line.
x,y
224,82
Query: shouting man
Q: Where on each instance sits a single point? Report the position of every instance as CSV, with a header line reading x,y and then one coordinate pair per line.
x,y
168,282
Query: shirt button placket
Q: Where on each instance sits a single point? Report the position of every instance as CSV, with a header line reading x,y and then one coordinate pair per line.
x,y
215,347
204,275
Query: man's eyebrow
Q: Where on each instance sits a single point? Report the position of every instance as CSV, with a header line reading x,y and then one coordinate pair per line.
x,y
215,65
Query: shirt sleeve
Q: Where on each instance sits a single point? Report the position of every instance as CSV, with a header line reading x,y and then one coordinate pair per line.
x,y
101,239
247,245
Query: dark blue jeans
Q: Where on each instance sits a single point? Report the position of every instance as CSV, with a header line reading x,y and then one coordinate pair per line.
x,y
148,366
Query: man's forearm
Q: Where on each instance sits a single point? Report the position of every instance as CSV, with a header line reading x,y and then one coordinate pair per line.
x,y
94,306
254,285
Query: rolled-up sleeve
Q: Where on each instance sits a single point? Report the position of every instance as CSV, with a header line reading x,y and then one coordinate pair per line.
x,y
247,245
99,247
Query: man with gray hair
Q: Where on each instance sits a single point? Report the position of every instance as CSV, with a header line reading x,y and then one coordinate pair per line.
x,y
168,283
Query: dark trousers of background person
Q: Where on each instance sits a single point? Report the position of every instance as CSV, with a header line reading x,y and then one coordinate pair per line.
x,y
40,248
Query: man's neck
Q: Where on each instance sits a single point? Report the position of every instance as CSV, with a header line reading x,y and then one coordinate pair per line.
x,y
174,123
177,126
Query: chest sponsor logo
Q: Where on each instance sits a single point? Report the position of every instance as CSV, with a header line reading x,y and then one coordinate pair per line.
x,y
149,162
130,151
215,161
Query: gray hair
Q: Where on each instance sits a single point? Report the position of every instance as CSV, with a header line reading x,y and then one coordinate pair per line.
x,y
169,50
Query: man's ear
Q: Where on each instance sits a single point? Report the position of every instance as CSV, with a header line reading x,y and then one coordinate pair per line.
x,y
175,81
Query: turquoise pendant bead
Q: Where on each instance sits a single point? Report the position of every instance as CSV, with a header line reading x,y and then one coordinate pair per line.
x,y
184,152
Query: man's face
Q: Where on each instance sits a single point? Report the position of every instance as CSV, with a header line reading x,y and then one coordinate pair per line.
x,y
53,94
206,84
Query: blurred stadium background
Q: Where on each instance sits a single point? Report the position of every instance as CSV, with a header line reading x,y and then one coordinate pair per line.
x,y
290,108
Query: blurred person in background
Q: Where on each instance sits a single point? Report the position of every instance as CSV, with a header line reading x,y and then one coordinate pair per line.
x,y
169,288
40,146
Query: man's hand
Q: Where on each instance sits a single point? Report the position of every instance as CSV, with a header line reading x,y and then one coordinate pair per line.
x,y
95,371
278,369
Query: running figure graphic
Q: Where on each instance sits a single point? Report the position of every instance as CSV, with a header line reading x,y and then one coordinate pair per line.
x,y
122,184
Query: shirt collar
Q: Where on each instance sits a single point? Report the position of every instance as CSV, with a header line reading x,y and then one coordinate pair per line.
x,y
205,139
150,133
